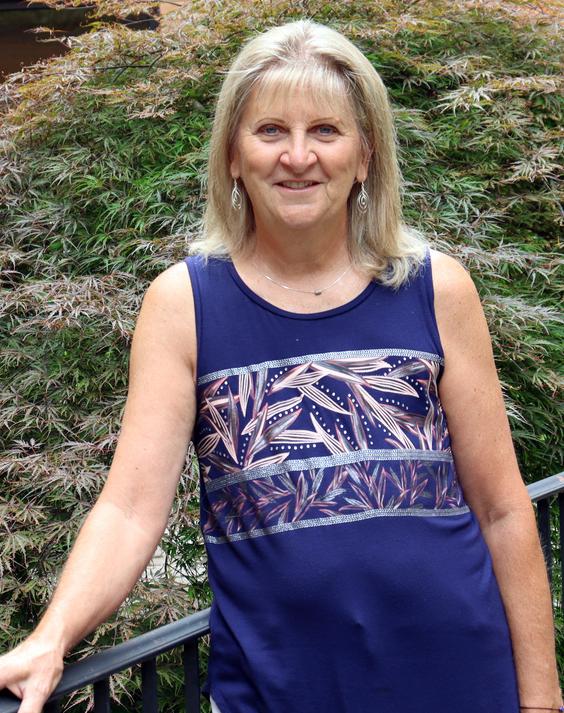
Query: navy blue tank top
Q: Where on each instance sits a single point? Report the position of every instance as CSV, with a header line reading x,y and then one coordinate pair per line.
x,y
349,574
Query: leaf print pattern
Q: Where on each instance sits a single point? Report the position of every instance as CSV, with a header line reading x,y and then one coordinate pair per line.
x,y
320,398
321,439
245,390
327,492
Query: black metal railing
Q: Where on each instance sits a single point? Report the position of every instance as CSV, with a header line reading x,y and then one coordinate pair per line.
x,y
96,669
541,493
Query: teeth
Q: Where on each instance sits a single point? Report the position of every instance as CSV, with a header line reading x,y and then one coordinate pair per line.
x,y
297,184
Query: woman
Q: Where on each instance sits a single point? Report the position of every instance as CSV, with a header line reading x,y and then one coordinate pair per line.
x,y
363,554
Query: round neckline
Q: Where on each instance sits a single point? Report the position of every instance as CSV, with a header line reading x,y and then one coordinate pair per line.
x,y
297,315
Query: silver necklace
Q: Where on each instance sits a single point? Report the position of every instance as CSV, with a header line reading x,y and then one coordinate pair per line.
x,y
309,292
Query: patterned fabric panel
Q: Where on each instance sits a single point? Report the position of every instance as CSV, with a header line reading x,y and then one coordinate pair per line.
x,y
321,439
319,496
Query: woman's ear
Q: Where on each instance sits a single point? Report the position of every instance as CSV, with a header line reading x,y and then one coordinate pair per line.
x,y
362,173
234,163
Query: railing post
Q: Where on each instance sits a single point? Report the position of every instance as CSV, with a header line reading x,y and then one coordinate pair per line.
x,y
149,686
191,664
102,696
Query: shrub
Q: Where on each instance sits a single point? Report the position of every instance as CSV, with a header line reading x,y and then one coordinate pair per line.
x,y
102,186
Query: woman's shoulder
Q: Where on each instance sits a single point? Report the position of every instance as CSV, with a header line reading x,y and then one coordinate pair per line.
x,y
173,284
451,278
456,299
171,293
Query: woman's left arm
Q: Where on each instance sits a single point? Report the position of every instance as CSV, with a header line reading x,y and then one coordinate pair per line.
x,y
488,472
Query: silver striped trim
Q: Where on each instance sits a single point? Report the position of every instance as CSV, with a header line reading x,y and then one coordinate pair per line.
x,y
291,361
385,454
353,517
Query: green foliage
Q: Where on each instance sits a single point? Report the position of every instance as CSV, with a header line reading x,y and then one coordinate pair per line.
x,y
102,187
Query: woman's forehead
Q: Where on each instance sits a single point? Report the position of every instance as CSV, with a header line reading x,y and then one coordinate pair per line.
x,y
279,99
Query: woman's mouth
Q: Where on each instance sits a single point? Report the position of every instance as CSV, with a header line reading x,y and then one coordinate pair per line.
x,y
301,186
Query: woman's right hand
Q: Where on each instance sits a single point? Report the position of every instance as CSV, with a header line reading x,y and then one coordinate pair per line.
x,y
32,671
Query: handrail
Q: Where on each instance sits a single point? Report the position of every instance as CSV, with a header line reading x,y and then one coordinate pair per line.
x,y
103,664
134,651
546,487
97,668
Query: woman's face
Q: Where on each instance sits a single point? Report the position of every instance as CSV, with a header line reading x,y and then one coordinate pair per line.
x,y
285,138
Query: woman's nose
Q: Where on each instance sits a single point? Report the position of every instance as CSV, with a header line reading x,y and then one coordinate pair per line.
x,y
298,153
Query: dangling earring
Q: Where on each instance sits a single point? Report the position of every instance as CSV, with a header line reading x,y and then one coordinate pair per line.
x,y
236,197
362,199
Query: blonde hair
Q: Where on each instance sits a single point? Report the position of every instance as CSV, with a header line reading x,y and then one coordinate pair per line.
x,y
305,54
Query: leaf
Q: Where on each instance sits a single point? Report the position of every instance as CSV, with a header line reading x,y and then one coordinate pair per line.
x,y
286,405
219,402
271,460
332,494
286,479
318,479
222,465
274,410
256,434
357,427
356,503
344,443
336,370
391,385
245,388
408,369
332,444
232,418
362,366
212,388
207,444
297,376
297,436
301,491
221,428
270,433
381,413
260,386
322,399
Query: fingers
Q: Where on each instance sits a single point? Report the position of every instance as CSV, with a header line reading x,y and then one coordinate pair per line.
x,y
33,693
16,689
31,671
9,671
33,701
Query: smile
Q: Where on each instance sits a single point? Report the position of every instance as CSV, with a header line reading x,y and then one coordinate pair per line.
x,y
302,186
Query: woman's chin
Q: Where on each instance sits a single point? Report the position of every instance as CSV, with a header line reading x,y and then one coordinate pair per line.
x,y
301,221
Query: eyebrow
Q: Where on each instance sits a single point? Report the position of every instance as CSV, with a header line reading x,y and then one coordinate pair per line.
x,y
320,120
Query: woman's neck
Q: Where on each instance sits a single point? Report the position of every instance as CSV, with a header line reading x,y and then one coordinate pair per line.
x,y
296,254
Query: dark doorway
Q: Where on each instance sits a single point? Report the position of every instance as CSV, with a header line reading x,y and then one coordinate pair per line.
x,y
21,46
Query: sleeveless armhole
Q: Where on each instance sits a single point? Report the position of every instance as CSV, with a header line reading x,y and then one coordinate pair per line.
x,y
430,304
196,292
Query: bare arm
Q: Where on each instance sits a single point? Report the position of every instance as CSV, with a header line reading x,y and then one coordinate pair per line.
x,y
489,474
120,534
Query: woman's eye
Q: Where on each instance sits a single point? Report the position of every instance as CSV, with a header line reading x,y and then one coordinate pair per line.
x,y
326,130
273,130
